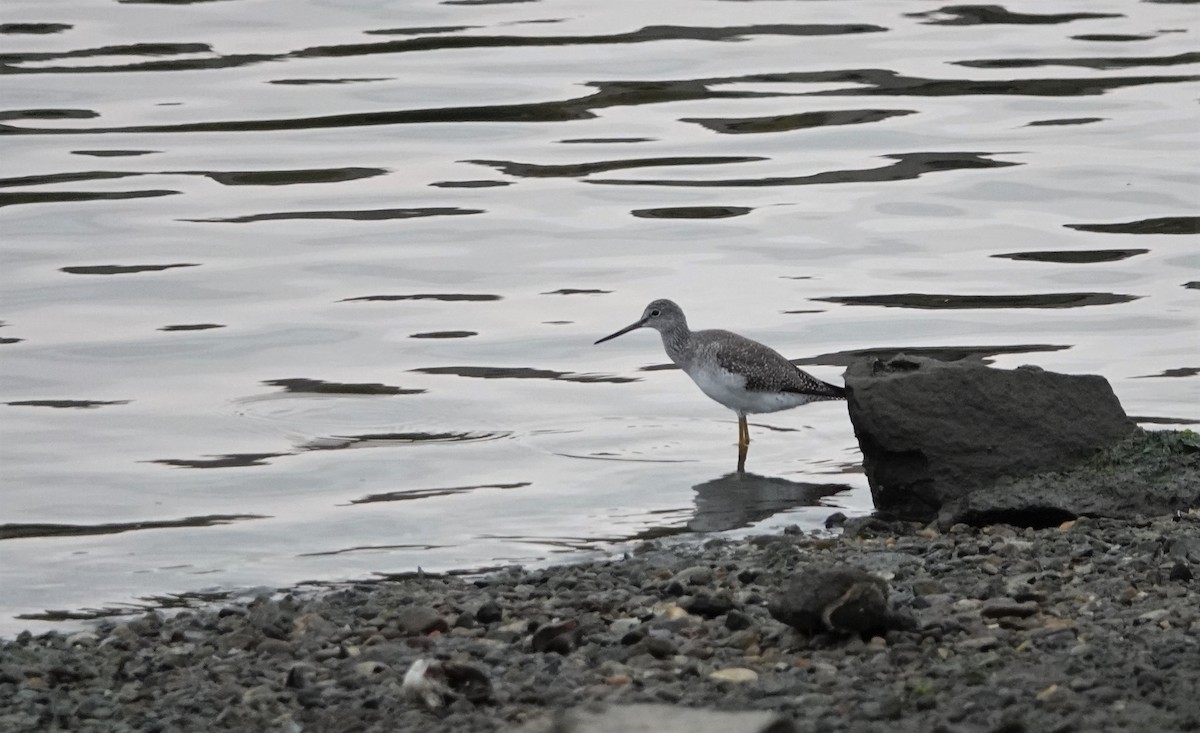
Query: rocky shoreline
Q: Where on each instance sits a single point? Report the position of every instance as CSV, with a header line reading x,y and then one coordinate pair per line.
x,y
1093,625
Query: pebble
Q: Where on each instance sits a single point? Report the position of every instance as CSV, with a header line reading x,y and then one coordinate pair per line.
x,y
734,674
1040,644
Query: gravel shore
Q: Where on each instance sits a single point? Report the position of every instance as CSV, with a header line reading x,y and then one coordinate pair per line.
x,y
1091,626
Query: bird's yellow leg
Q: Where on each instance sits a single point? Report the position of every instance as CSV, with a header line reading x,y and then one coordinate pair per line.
x,y
743,443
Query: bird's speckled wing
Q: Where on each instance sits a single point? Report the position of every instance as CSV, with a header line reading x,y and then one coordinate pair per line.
x,y
765,369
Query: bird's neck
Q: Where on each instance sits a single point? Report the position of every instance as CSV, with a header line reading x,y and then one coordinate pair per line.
x,y
677,343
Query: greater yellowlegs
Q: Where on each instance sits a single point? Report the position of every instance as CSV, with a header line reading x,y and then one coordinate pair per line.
x,y
744,375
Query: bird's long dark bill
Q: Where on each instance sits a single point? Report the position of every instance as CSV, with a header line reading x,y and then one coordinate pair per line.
x,y
627,329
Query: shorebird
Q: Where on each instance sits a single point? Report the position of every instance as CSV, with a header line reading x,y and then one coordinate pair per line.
x,y
742,374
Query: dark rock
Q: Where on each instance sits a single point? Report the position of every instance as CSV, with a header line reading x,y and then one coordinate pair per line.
x,y
660,648
841,598
554,638
735,620
414,620
932,432
866,527
489,613
1181,572
1004,607
708,606
468,681
1164,465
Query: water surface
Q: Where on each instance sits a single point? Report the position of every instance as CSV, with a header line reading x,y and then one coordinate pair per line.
x,y
306,291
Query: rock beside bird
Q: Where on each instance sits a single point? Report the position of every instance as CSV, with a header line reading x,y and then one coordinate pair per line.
x,y
840,599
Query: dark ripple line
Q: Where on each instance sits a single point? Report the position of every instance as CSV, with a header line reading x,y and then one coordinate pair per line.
x,y
959,302
320,386
225,178
228,460
906,167
995,14
429,493
122,269
646,34
24,531
804,120
58,197
1161,225
1127,62
578,170
446,297
9,61
52,178
357,215
342,442
866,82
1075,257
67,404
481,372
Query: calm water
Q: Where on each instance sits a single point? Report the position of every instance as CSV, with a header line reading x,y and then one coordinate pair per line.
x,y
305,291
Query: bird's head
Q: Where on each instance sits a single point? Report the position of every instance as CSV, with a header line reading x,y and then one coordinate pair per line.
x,y
661,315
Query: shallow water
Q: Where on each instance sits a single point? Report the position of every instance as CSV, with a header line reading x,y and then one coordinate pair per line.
x,y
306,291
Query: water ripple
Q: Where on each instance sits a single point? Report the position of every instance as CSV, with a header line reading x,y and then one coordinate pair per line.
x,y
995,14
23,531
66,404
320,386
1077,257
412,494
360,215
480,372
936,301
805,120
1161,225
906,167
121,269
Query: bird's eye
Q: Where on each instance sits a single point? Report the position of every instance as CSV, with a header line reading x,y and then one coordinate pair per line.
x,y
655,313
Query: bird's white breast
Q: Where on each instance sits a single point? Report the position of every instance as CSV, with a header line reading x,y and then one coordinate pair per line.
x,y
729,389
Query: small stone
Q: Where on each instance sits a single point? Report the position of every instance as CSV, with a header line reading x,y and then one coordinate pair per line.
x,y
734,674
371,668
927,587
695,575
735,620
622,626
489,613
257,694
82,637
978,643
554,637
1047,693
274,646
839,598
617,680
414,620
660,648
708,606
671,612
1007,607
1181,572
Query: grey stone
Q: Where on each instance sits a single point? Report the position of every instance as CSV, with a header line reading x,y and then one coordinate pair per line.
x,y
932,432
414,620
840,598
647,718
